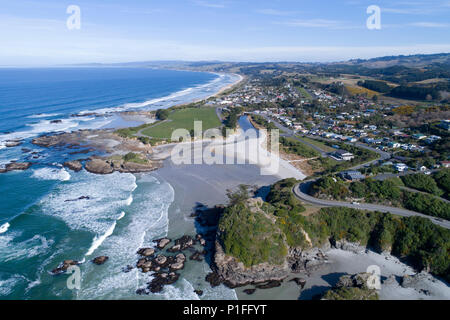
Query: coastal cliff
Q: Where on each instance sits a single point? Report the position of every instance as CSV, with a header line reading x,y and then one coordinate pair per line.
x,y
266,241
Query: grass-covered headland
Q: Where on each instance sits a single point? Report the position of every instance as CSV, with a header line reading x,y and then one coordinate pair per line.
x,y
256,232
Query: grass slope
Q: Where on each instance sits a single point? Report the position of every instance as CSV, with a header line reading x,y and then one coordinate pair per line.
x,y
184,119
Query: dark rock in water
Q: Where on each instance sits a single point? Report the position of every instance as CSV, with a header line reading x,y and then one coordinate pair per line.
x,y
56,121
199,292
185,242
197,256
13,143
84,151
175,248
299,281
161,260
146,252
26,150
100,260
62,268
214,279
73,165
162,243
142,292
249,291
269,285
80,198
127,269
162,279
17,166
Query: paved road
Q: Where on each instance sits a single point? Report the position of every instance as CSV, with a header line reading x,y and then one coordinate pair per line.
x,y
219,114
300,191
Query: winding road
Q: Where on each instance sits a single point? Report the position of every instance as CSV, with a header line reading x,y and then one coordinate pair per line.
x,y
301,192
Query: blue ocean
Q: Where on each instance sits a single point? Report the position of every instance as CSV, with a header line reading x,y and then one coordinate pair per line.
x,y
42,219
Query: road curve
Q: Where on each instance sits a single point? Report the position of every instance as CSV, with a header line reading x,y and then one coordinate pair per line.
x,y
300,191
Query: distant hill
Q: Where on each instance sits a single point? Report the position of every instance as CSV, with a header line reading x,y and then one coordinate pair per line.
x,y
412,61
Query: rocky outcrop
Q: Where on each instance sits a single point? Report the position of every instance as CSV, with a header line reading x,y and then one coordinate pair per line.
x,y
162,243
184,243
13,143
146,252
132,167
16,166
99,166
100,260
299,281
352,287
419,282
73,165
348,246
47,141
307,260
63,266
249,291
234,274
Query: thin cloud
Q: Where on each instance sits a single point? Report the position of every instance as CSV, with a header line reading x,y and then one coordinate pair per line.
x,y
209,4
274,12
319,23
430,25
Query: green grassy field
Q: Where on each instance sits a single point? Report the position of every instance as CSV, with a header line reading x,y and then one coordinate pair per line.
x,y
304,93
184,119
318,144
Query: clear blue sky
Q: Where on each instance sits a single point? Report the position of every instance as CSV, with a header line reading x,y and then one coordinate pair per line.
x,y
35,32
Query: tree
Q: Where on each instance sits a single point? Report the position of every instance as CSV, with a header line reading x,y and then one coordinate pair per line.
x,y
239,196
162,114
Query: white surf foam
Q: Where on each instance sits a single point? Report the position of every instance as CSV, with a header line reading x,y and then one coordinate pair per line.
x,y
122,215
147,219
107,194
37,245
51,174
7,286
97,242
193,92
4,227
47,126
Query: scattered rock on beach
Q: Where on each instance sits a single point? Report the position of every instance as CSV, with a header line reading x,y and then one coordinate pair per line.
x,y
161,260
162,279
146,252
162,243
299,281
197,256
214,279
249,291
269,285
198,292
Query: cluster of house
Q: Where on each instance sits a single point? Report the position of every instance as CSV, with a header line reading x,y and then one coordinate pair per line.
x,y
254,93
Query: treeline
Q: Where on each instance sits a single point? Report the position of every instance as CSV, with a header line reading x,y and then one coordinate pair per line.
x,y
412,92
416,92
378,86
423,183
383,192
